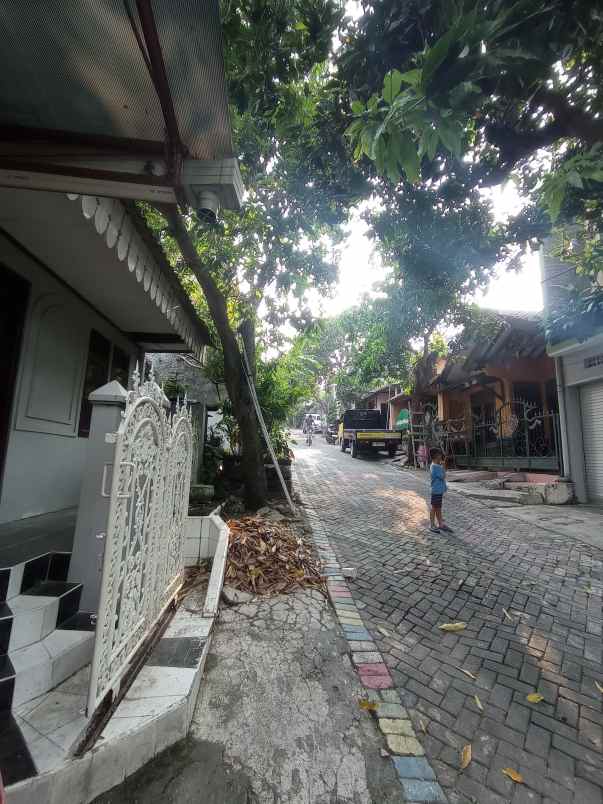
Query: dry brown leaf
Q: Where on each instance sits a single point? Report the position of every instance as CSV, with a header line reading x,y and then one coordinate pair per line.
x,y
382,631
535,697
423,725
452,626
465,757
513,774
467,673
599,687
478,703
507,615
369,706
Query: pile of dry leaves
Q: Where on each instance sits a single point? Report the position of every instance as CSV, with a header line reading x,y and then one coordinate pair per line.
x,y
266,558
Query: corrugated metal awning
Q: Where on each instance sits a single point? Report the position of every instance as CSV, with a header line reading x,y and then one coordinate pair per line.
x,y
77,66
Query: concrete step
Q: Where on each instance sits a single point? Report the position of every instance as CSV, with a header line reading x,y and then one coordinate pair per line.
x,y
536,488
499,495
38,611
469,476
43,665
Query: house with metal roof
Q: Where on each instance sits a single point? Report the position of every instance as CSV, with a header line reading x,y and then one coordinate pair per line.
x,y
102,106
497,401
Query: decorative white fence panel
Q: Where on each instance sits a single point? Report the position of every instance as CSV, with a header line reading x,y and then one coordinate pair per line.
x,y
143,561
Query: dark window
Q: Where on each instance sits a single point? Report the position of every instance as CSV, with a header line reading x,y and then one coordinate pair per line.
x,y
97,374
120,366
14,294
528,392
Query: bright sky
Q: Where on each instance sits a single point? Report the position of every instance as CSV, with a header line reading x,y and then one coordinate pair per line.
x,y
361,268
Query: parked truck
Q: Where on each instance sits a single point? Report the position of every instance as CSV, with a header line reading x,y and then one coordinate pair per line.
x,y
365,430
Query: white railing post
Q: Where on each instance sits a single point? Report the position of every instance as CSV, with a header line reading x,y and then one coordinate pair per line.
x,y
85,567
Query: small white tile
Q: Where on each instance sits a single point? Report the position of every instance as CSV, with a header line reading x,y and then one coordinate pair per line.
x,y
154,682
171,726
118,726
76,657
28,732
23,603
46,754
15,581
35,789
188,624
26,628
68,735
78,683
62,640
55,711
144,707
108,769
70,784
141,747
140,735
51,613
32,666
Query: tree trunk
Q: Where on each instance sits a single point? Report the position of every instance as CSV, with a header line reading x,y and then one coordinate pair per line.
x,y
252,462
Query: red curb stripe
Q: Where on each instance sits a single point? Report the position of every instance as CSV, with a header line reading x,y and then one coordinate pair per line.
x,y
375,669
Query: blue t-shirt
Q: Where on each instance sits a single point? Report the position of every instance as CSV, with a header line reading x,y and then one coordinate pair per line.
x,y
438,483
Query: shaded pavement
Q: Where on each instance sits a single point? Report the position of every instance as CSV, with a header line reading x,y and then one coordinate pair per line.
x,y
277,719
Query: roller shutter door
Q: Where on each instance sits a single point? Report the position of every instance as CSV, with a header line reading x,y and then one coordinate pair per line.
x,y
591,403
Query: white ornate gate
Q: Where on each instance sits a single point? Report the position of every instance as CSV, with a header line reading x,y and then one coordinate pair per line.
x,y
143,560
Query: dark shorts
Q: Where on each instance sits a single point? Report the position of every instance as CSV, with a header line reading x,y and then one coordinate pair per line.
x,y
436,500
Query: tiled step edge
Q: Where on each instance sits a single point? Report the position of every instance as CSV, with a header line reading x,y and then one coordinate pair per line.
x,y
42,666
36,616
144,723
416,775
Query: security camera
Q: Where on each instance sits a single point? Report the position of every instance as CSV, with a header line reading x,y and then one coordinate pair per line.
x,y
208,206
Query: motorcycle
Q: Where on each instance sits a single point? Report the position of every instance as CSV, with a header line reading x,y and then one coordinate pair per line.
x,y
331,435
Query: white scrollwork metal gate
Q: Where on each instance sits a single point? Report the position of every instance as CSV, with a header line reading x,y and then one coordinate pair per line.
x,y
143,561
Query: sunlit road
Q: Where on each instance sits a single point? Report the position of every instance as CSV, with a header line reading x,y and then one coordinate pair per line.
x,y
531,600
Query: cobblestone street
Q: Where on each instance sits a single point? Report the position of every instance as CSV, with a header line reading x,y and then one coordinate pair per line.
x,y
531,600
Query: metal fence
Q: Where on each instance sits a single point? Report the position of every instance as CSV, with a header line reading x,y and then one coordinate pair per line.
x,y
143,561
518,435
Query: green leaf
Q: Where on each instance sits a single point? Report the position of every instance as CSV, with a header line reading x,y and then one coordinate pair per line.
x,y
573,178
462,91
435,56
368,139
301,26
429,142
412,77
357,107
391,86
354,129
450,135
407,155
373,102
391,165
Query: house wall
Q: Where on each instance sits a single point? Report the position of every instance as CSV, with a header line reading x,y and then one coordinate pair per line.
x,y
45,456
577,368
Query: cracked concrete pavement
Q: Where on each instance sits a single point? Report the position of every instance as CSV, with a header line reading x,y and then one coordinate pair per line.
x,y
277,719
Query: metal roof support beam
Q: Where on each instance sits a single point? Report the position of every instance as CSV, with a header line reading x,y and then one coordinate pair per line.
x,y
160,80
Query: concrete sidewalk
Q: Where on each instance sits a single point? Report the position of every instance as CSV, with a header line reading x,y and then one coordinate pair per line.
x,y
278,719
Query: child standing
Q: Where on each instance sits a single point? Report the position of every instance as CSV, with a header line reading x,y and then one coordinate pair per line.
x,y
438,489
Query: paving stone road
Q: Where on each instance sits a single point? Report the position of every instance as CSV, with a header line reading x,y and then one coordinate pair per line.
x,y
410,581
